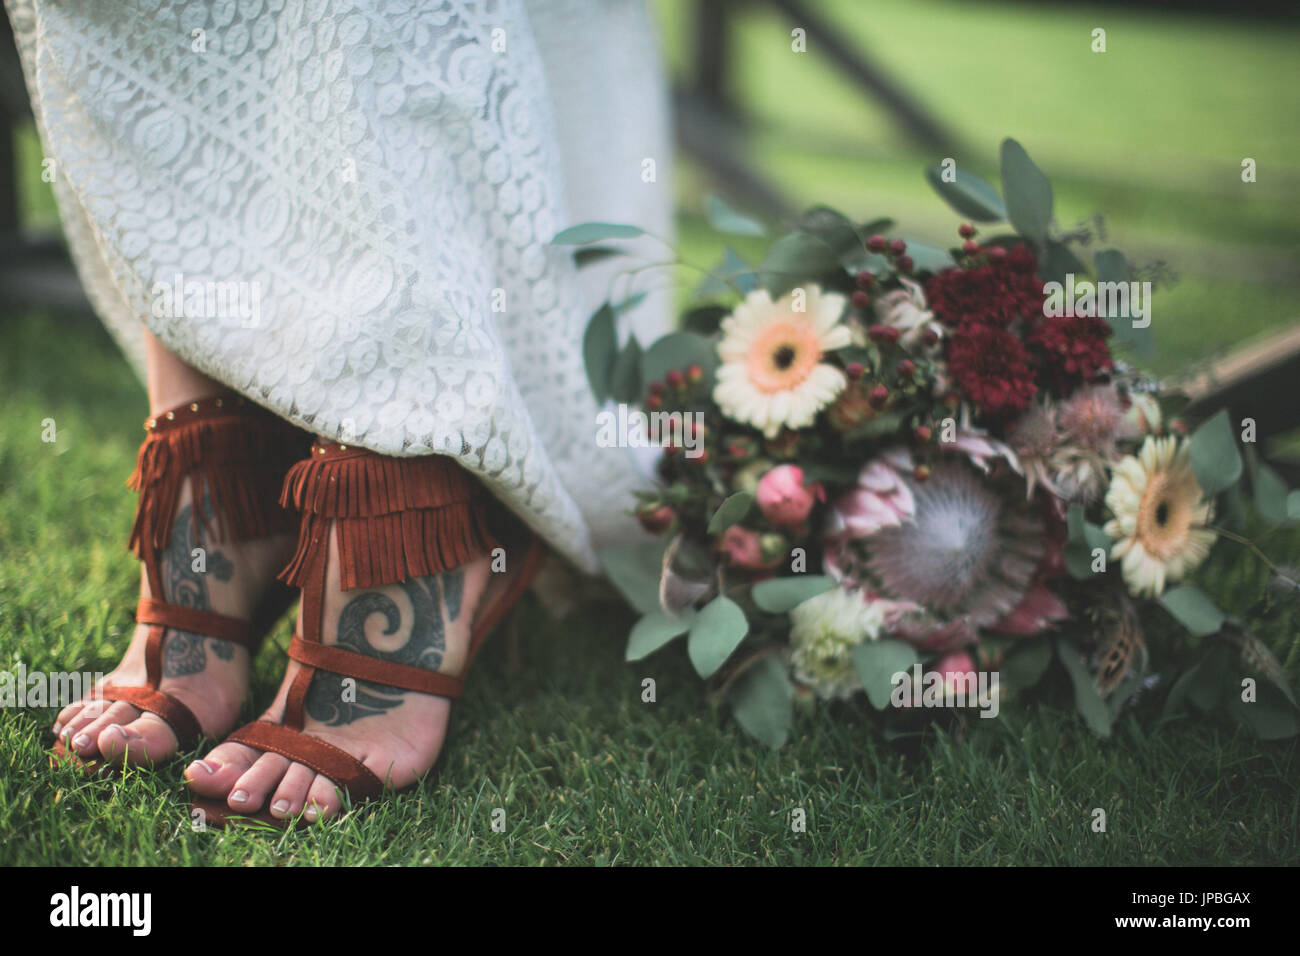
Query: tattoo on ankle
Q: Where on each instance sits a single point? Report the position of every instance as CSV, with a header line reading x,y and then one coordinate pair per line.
x,y
429,599
184,652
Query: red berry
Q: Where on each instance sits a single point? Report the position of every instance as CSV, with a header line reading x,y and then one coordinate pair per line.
x,y
878,333
898,247
865,279
906,368
656,388
675,379
970,247
921,472
702,457
997,252
860,299
654,401
922,433
879,396
905,263
854,370
656,519
966,230
876,243
930,337
694,374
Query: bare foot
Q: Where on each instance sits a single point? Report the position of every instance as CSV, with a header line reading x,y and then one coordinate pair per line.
x,y
208,675
397,734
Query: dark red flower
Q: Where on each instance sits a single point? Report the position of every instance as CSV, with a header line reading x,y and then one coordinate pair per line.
x,y
991,368
998,292
1070,351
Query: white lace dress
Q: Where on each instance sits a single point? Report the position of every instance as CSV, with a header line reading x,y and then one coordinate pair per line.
x,y
354,201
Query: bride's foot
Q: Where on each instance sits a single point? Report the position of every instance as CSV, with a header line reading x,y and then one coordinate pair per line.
x,y
397,734
206,674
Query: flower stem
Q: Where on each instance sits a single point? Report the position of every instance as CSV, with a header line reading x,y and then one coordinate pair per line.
x,y
1232,536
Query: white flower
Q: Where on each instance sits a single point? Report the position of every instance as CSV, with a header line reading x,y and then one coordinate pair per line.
x,y
772,374
904,309
1160,516
824,630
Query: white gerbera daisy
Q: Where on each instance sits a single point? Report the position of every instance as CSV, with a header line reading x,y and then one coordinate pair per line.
x,y
823,632
772,374
1160,516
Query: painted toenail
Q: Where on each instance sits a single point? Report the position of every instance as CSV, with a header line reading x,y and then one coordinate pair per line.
x,y
310,812
280,806
81,740
57,728
239,796
209,767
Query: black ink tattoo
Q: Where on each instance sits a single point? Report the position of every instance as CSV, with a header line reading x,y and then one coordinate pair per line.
x,y
184,652
429,599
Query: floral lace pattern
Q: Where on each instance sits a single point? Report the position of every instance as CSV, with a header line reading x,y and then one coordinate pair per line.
x,y
375,183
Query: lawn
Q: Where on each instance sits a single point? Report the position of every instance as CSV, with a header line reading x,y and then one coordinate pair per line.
x,y
555,733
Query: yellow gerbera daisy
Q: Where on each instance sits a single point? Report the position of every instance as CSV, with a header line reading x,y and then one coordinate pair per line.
x,y
772,374
1160,516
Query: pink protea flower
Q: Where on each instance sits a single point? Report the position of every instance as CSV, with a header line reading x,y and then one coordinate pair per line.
x,y
784,499
880,500
969,557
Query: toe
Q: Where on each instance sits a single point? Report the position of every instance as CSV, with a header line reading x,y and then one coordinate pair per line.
x,y
67,715
143,741
291,795
84,739
257,783
75,725
216,774
322,799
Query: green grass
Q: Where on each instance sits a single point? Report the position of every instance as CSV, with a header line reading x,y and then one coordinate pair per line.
x,y
1151,133
561,740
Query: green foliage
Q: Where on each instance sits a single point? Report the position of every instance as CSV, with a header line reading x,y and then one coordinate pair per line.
x,y
781,595
877,662
762,701
1215,458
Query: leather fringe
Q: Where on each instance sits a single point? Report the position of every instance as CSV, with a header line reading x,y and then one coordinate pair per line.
x,y
238,459
395,518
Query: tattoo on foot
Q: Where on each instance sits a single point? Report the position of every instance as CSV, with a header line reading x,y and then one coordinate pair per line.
x,y
184,652
429,598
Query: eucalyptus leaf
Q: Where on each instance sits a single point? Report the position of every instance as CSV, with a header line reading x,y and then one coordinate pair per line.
x,y
1025,664
599,350
779,595
877,663
586,232
1084,537
705,319
969,195
762,701
655,630
1271,494
634,571
927,257
795,258
1086,699
1269,715
730,276
1215,458
625,377
725,219
1193,610
716,631
679,350
1026,192
1293,505
732,510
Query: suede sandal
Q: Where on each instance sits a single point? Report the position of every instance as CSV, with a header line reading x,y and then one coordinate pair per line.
x,y
394,519
235,456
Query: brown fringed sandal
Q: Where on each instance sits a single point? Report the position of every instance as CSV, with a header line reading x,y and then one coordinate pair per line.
x,y
235,455
395,519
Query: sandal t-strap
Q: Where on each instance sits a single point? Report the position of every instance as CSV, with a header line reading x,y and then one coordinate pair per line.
x,y
394,519
235,456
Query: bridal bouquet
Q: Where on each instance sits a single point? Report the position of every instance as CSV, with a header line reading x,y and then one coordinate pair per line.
x,y
922,475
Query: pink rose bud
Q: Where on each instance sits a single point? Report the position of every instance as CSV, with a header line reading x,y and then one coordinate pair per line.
x,y
782,497
954,665
744,548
